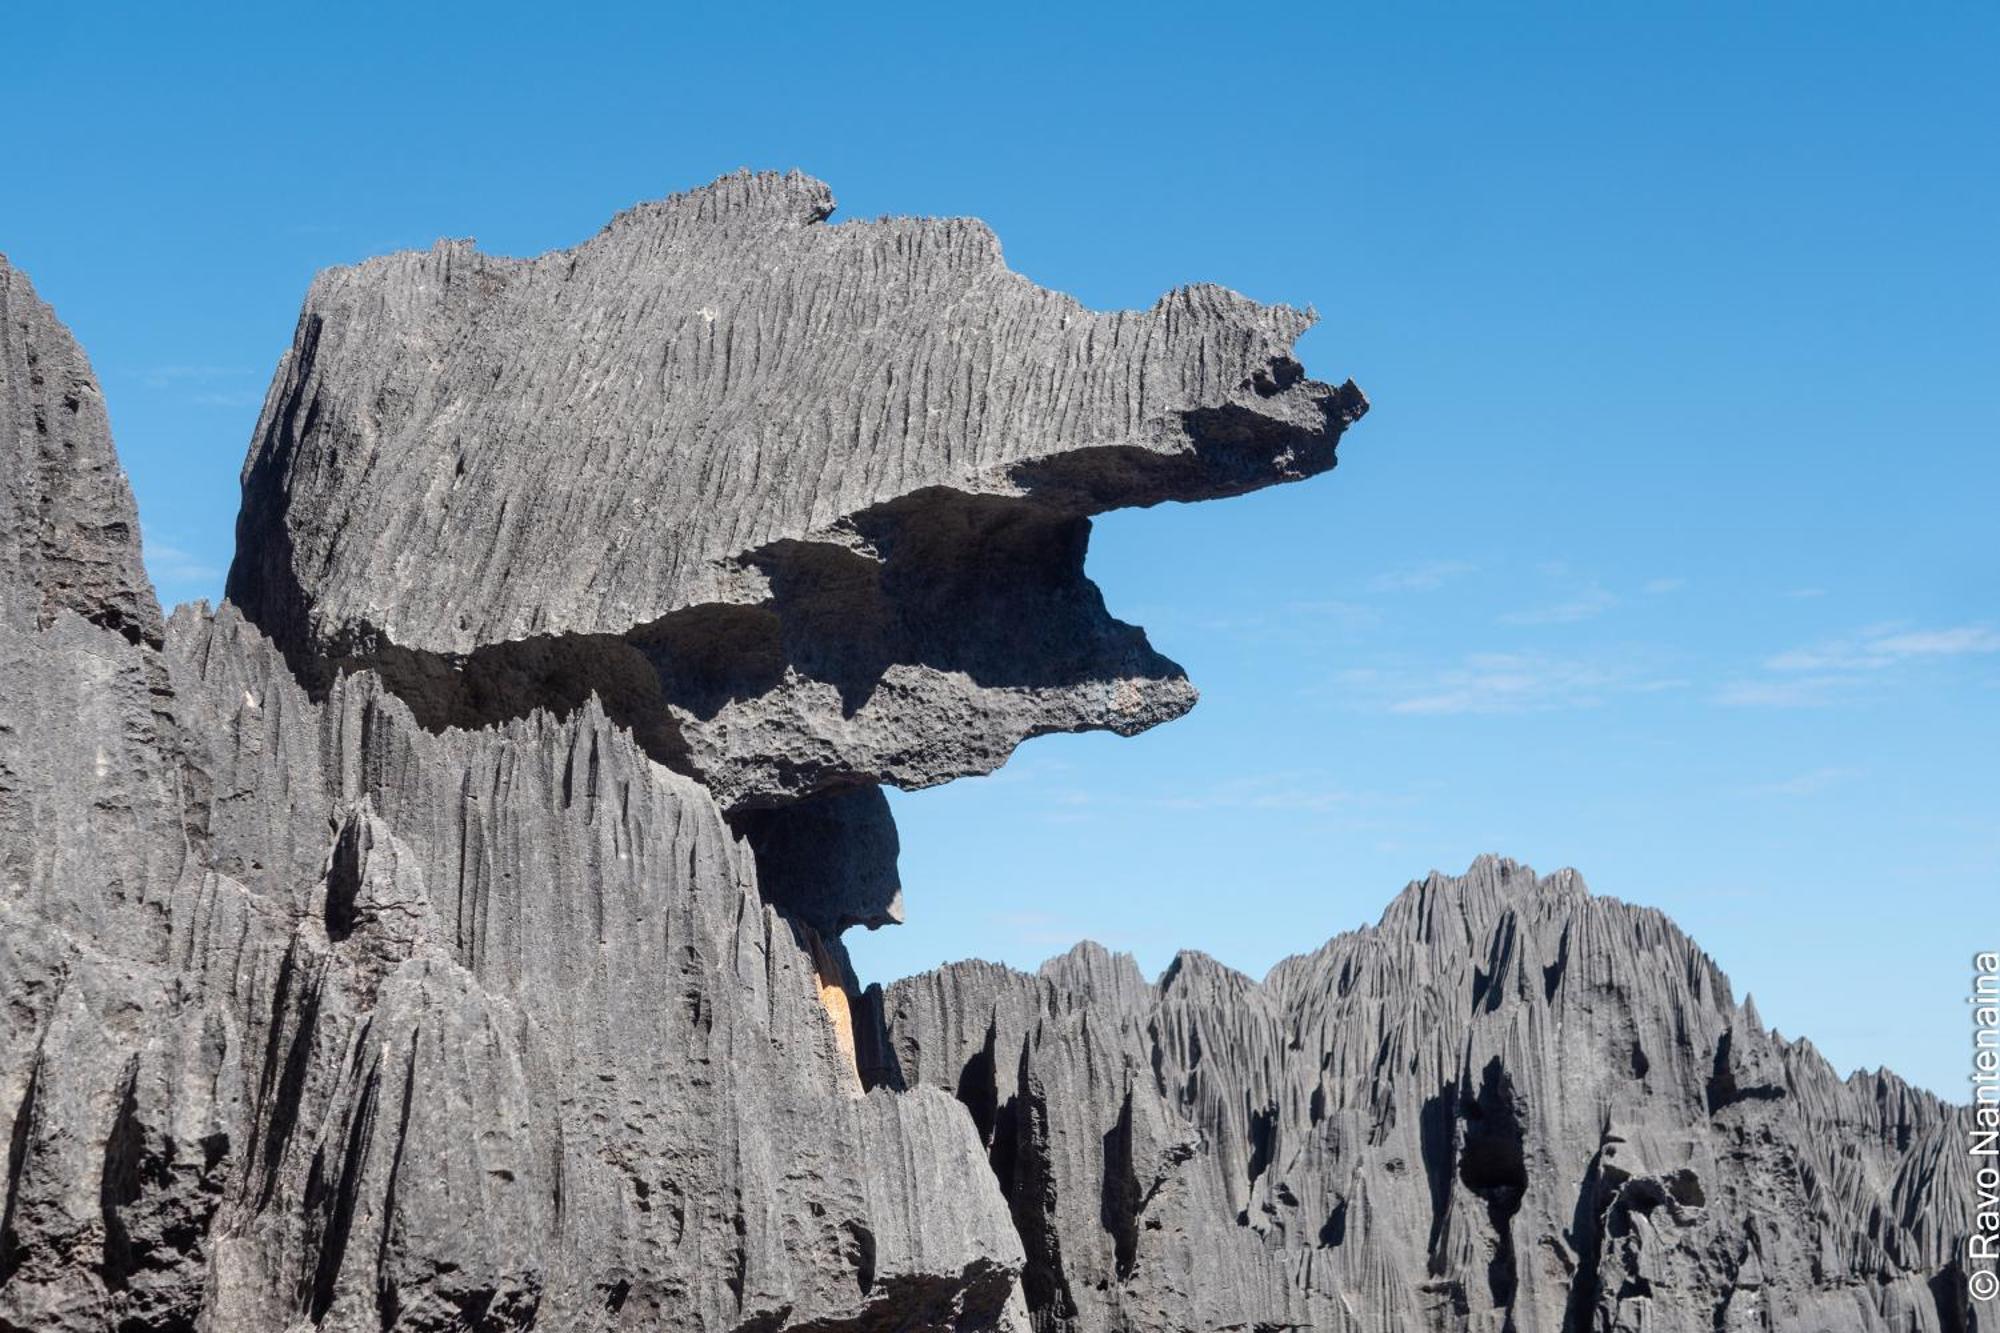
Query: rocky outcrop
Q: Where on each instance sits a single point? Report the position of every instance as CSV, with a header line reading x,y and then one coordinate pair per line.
x,y
445,932
806,504
1509,1105
317,1018
69,532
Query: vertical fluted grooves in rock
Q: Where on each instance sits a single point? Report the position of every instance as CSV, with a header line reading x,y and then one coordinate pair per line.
x,y
805,504
1439,1123
318,1018
444,934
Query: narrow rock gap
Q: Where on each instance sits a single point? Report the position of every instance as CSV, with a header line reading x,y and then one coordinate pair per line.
x,y
1120,1206
1493,1165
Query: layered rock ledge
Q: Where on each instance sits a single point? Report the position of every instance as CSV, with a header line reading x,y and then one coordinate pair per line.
x,y
805,503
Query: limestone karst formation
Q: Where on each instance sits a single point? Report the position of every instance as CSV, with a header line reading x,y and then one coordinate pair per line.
x,y
445,932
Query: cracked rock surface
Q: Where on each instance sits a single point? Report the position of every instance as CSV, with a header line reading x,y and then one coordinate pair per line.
x,y
444,933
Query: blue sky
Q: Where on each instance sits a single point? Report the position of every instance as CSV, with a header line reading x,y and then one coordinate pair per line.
x,y
1668,551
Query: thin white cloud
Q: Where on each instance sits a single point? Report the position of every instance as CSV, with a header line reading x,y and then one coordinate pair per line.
x,y
1658,586
1798,692
1886,646
1422,578
166,377
1502,683
1287,792
1353,615
1289,620
1805,784
1592,602
1835,669
170,566
247,398
1940,642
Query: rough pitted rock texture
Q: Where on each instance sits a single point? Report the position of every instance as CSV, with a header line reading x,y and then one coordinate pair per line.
x,y
446,935
69,532
317,1018
1509,1105
806,502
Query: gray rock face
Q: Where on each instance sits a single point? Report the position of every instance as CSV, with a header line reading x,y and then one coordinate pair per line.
x,y
444,935
1508,1105
317,1018
805,503
69,533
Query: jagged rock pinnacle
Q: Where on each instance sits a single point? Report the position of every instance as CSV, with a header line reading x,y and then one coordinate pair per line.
x,y
1495,1109
444,934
